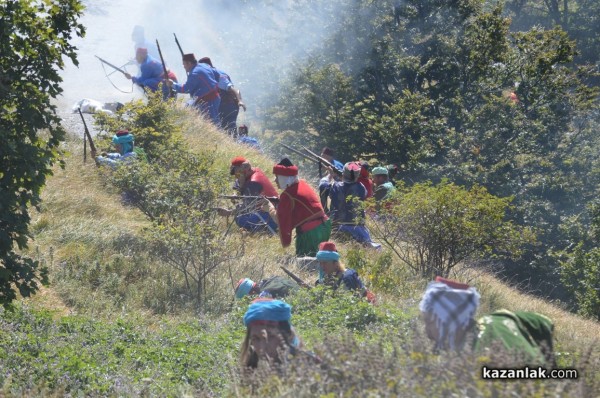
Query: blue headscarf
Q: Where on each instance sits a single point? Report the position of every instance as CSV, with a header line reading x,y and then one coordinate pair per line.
x,y
268,310
243,288
326,255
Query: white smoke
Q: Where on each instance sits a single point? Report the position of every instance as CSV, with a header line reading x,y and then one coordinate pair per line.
x,y
256,42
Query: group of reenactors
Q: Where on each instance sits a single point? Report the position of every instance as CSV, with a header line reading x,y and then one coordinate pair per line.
x,y
448,307
211,89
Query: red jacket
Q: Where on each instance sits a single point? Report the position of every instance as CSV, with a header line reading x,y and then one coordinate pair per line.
x,y
298,204
258,184
366,181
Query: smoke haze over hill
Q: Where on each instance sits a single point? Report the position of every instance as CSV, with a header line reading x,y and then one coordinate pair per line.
x,y
256,42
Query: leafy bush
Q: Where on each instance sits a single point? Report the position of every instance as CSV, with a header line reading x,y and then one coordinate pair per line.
x,y
433,228
153,123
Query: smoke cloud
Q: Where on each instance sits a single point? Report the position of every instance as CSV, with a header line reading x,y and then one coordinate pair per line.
x,y
256,42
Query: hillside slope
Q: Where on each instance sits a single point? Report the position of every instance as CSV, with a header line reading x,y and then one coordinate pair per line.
x,y
100,271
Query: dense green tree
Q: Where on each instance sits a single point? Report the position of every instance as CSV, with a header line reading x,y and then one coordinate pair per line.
x,y
446,90
580,270
34,38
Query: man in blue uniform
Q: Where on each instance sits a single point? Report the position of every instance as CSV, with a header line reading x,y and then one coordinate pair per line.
x,y
345,211
202,85
151,71
231,100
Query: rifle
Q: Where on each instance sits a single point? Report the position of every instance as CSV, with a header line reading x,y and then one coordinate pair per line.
x,y
272,199
323,160
295,278
178,45
313,157
89,137
111,65
166,73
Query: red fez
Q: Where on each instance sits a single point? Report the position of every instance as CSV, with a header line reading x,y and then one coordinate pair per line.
x,y
141,51
205,60
282,170
238,160
451,283
189,58
327,246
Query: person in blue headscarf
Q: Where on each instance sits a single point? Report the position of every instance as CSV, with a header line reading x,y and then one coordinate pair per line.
x,y
123,141
269,334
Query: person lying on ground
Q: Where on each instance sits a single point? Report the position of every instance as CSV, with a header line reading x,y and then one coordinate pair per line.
x,y
448,309
334,274
269,336
273,287
123,141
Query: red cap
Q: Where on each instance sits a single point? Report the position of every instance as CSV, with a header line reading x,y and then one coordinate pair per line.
x,y
121,133
327,246
451,283
238,160
205,60
282,170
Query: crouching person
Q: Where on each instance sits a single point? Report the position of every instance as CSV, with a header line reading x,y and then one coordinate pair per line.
x,y
123,141
449,307
270,336
334,274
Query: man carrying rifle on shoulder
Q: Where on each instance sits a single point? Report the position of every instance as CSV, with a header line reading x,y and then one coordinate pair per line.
x,y
252,184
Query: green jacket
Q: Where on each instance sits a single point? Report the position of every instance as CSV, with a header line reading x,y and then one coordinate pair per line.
x,y
528,333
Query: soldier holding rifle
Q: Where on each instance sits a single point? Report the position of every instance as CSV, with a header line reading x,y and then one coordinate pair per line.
x,y
151,71
300,209
252,185
202,85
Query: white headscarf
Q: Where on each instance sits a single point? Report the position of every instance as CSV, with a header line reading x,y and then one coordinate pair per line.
x,y
286,181
453,309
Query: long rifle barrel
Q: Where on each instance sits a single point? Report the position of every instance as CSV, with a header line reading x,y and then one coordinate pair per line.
x,y
304,155
178,45
295,277
88,135
111,65
324,161
272,199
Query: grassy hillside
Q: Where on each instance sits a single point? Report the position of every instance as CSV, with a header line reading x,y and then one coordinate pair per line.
x,y
114,320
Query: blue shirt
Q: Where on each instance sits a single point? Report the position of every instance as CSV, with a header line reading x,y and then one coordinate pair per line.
x,y
224,80
343,207
151,74
201,81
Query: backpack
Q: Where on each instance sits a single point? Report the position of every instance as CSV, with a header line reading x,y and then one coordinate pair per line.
x,y
277,286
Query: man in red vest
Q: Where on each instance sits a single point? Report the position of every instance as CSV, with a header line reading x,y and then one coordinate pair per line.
x,y
300,209
252,182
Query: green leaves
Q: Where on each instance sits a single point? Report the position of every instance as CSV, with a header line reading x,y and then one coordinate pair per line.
x,y
34,37
433,228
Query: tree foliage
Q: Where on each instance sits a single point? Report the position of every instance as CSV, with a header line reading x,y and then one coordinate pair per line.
x,y
434,228
34,38
448,90
580,269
